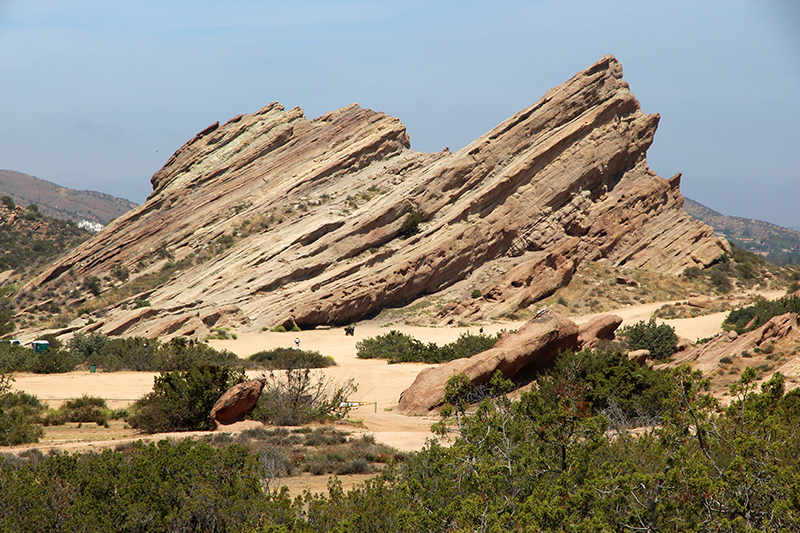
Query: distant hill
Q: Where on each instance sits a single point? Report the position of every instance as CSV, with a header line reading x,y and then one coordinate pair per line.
x,y
29,239
60,202
777,244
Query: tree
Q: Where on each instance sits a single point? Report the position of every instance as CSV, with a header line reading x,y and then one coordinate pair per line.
x,y
659,339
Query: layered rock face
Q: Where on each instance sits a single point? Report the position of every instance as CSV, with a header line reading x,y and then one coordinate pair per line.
x,y
312,212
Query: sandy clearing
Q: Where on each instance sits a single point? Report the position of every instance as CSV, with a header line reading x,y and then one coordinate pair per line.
x,y
379,384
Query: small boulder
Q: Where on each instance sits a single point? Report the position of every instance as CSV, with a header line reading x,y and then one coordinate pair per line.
x,y
699,301
639,356
236,402
597,329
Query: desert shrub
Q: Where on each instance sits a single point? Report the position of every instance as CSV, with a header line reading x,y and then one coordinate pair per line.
x,y
8,202
83,409
719,280
410,224
20,414
164,486
285,358
660,340
7,324
129,353
51,362
92,284
142,354
182,400
754,316
13,357
88,348
121,272
476,293
181,353
398,347
297,397
692,273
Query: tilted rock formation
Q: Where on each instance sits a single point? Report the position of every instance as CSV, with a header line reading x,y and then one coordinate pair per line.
x,y
780,331
531,348
297,221
236,403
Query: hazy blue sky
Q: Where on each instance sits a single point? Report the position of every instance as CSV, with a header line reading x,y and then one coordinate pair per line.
x,y
98,95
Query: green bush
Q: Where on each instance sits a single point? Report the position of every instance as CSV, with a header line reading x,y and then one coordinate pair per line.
x,y
92,284
20,415
410,224
14,357
286,358
83,409
660,340
182,400
51,362
142,354
759,313
401,348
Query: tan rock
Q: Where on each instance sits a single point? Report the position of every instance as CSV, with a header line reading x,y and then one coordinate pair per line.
x,y
699,301
597,329
639,356
298,221
532,347
236,402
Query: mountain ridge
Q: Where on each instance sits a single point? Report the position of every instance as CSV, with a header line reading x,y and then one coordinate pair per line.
x,y
62,202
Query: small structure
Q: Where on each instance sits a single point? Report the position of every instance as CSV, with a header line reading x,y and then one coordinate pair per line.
x,y
40,346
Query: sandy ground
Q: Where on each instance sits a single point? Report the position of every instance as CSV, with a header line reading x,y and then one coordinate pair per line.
x,y
379,384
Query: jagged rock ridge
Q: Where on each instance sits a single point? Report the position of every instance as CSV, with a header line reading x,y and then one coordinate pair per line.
x,y
559,183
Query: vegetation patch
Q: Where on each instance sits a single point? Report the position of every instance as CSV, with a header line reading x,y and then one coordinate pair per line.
x,y
754,316
288,358
659,339
402,348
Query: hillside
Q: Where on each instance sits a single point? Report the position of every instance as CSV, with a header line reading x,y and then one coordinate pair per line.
x,y
777,244
60,202
276,220
28,238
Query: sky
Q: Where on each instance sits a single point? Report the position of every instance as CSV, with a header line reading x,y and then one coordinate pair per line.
x,y
97,95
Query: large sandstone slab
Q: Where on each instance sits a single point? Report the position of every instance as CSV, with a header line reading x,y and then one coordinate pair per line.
x,y
298,221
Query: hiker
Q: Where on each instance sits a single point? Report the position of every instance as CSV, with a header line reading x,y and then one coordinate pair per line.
x,y
297,343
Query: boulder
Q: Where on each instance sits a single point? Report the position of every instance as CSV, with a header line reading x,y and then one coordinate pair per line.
x,y
532,347
597,329
236,403
699,301
639,356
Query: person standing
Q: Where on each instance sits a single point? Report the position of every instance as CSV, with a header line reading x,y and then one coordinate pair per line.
x,y
297,343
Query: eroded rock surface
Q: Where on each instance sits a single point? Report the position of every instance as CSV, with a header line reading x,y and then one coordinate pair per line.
x,y
296,221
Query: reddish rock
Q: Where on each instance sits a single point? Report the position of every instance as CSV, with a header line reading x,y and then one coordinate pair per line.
x,y
236,403
597,329
532,347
